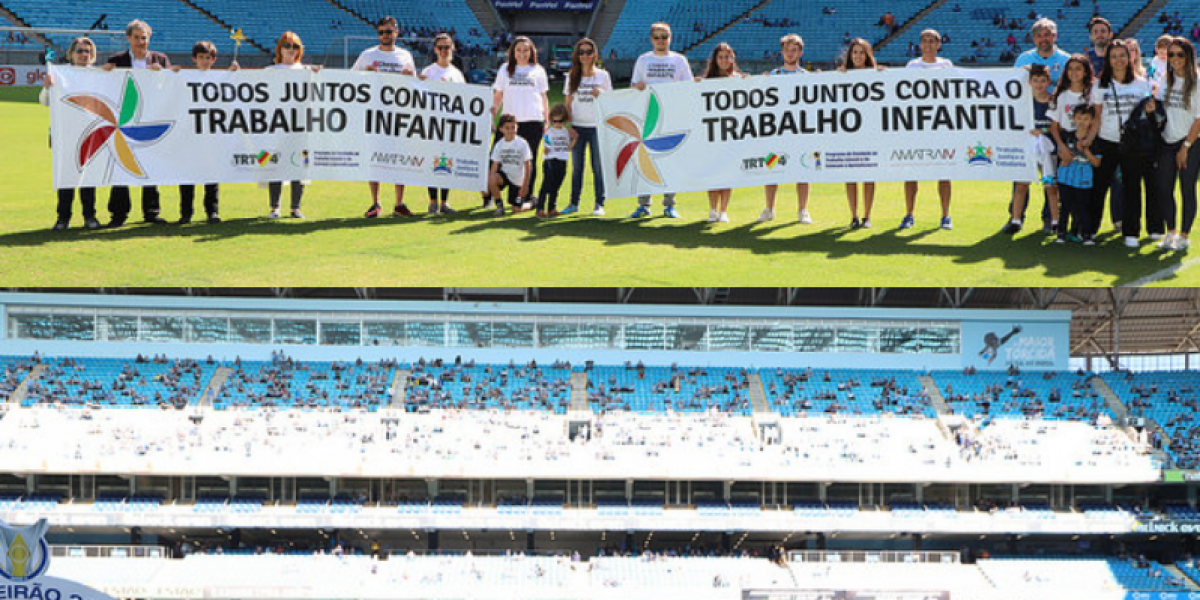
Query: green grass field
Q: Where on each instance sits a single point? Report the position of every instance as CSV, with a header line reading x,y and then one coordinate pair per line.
x,y
335,246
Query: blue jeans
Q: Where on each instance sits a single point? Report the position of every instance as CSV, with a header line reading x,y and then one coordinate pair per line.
x,y
587,138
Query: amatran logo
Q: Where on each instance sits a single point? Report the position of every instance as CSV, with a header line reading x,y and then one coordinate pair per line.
x,y
646,142
121,127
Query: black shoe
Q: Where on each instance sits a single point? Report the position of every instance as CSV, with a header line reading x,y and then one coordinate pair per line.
x,y
854,224
59,225
116,222
214,219
91,223
156,220
184,220
1011,228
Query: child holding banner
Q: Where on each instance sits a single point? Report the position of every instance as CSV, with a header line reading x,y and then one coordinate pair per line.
x,y
512,160
82,53
660,65
442,70
931,43
791,48
204,54
721,63
859,56
1042,148
289,50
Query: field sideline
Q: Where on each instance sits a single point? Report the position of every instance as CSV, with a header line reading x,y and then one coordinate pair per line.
x,y
335,246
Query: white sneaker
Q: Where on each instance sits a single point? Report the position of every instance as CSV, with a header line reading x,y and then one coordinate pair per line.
x,y
723,218
1168,242
1156,236
1131,242
1181,244
712,215
805,218
274,214
767,215
599,212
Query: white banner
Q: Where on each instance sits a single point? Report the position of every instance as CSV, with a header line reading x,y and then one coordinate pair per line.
x,y
896,125
21,75
140,127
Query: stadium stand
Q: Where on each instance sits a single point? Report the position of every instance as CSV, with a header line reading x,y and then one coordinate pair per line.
x,y
1177,17
140,383
680,389
689,21
837,391
452,16
526,387
12,372
1169,398
1032,394
284,383
1053,573
176,27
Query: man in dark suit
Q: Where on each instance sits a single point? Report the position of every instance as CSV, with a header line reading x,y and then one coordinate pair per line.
x,y
139,56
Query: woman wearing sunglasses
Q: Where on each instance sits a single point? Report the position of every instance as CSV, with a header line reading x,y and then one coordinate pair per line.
x,y
289,51
1177,158
442,70
82,54
584,82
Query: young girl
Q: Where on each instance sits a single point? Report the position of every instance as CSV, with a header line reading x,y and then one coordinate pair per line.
x,y
859,56
721,63
554,167
1177,158
521,85
584,82
82,53
1119,89
288,52
442,70
1074,88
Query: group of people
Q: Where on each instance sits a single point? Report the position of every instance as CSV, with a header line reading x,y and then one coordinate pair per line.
x,y
1101,121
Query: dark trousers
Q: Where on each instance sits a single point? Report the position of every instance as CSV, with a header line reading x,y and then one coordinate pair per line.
x,y
1045,207
275,190
119,204
433,194
556,172
87,202
1074,214
586,141
1165,176
187,195
1137,173
531,132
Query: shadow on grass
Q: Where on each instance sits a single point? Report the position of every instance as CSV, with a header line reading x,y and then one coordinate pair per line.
x,y
1026,251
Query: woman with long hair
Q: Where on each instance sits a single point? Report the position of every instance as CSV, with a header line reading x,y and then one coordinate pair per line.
x,y
721,63
583,84
1119,90
520,87
859,55
1177,158
1074,89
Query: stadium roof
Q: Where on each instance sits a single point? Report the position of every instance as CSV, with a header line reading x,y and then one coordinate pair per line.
x,y
1105,320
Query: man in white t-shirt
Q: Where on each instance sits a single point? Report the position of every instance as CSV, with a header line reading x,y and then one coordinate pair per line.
x,y
660,65
386,58
931,43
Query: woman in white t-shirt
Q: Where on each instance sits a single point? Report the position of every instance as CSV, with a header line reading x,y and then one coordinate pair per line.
x,y
584,83
289,51
442,70
521,86
1180,95
1118,91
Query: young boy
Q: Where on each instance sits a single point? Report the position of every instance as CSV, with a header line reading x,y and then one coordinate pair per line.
x,y
791,48
512,162
204,55
1039,80
660,65
557,143
1075,181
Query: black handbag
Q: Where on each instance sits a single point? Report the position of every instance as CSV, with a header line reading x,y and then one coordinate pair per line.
x,y
1142,131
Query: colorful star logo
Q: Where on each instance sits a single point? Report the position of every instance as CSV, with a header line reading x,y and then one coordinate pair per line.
x,y
979,155
645,143
120,131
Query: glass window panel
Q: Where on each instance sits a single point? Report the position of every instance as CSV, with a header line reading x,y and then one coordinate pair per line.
x,y
118,328
341,333
814,339
385,333
250,331
644,336
772,338
295,331
32,327
939,340
512,335
855,339
162,329
729,337
572,335
687,337
475,334
207,329
899,340
426,333
74,327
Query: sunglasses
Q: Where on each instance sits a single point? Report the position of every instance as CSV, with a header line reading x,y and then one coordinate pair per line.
x,y
290,46
83,51
660,37
587,52
443,47
387,32
1176,55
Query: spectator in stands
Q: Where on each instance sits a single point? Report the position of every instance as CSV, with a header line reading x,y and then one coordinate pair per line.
x,y
82,53
289,52
139,56
721,63
1119,84
859,55
887,20
387,57
1177,158
931,43
660,65
791,48
442,70
582,85
520,87
204,55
